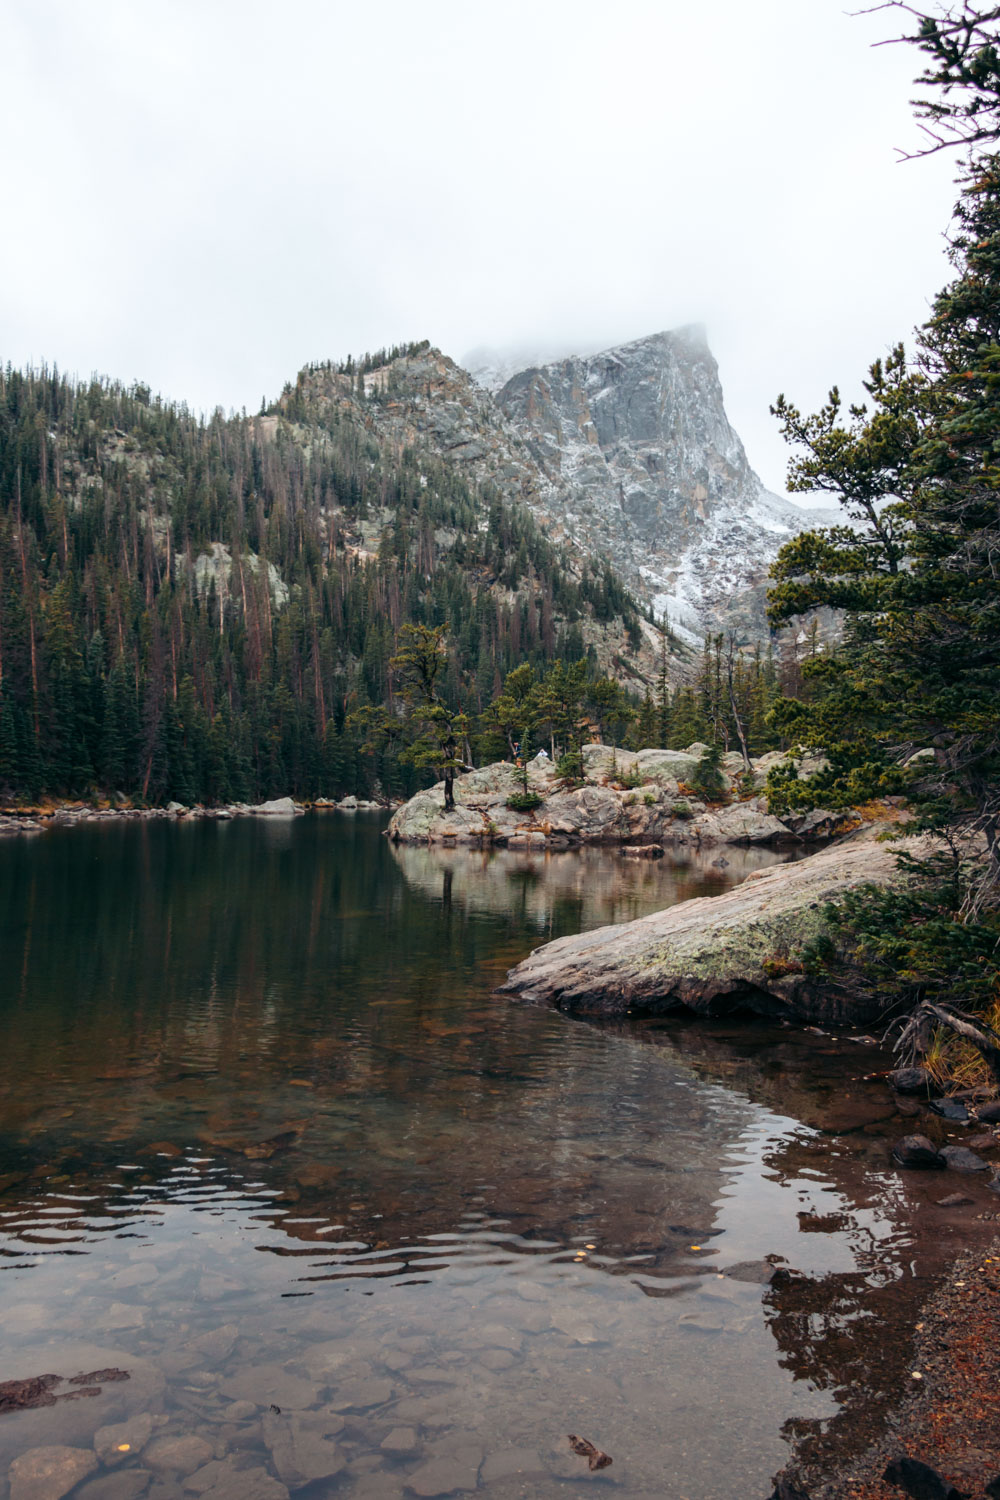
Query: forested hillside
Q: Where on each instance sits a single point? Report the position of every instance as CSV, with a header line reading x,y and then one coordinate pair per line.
x,y
192,609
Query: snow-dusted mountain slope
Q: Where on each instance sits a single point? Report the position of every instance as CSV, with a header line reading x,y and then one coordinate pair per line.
x,y
626,455
643,467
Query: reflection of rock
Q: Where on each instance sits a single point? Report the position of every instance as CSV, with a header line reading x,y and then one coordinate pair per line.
x,y
538,882
734,950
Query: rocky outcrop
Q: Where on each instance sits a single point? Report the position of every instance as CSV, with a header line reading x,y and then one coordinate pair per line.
x,y
626,798
626,456
644,468
715,954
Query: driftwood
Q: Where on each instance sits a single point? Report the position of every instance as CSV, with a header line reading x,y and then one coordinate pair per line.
x,y
42,1390
914,1040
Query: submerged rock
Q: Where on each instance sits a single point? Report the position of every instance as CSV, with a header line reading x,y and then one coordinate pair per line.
x,y
49,1473
961,1159
911,1081
918,1151
716,954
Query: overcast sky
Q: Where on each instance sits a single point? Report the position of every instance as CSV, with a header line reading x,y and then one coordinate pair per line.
x,y
207,194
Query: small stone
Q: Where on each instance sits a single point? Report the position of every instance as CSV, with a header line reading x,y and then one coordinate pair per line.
x,y
401,1442
954,1200
496,1359
126,1484
753,1272
177,1453
696,1322
239,1411
443,1476
362,1395
217,1343
122,1440
300,1456
510,1462
49,1473
911,1081
989,1114
246,1484
961,1159
120,1315
950,1109
917,1151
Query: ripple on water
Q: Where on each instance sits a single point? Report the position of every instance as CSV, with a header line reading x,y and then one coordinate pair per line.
x,y
479,1227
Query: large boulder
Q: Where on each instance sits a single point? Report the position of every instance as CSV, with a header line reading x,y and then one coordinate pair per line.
x,y
667,766
278,807
718,953
740,823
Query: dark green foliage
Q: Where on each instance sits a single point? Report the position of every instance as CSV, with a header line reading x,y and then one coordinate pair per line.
x,y
708,779
196,609
524,801
918,943
570,766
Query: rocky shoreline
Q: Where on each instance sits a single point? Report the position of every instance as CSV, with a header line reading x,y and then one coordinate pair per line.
x,y
948,1416
630,798
15,821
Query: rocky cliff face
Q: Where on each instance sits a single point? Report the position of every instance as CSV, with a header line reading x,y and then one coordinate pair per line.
x,y
626,455
640,464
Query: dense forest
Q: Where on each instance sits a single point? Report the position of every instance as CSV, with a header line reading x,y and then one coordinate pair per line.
x,y
193,609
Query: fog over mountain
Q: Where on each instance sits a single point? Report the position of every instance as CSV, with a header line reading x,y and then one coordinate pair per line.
x,y
210,196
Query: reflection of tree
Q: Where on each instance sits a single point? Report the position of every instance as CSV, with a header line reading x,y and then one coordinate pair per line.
x,y
573,889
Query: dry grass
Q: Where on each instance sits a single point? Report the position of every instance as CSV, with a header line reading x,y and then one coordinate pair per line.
x,y
956,1064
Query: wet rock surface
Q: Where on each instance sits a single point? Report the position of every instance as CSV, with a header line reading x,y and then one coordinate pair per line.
x,y
737,950
49,1473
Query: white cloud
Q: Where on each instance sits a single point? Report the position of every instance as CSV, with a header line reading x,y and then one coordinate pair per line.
x,y
206,195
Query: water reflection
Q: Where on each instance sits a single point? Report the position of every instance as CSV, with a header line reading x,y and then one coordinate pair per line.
x,y
267,1140
557,891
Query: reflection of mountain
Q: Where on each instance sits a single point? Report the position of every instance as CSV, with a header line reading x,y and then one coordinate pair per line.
x,y
574,889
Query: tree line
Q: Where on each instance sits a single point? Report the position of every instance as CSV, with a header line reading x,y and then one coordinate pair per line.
x,y
193,609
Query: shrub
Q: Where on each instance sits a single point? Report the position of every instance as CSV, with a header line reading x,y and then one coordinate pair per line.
x,y
570,765
650,799
682,810
630,781
524,801
708,779
746,784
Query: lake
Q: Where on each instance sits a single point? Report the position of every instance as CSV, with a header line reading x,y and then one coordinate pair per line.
x,y
355,1226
